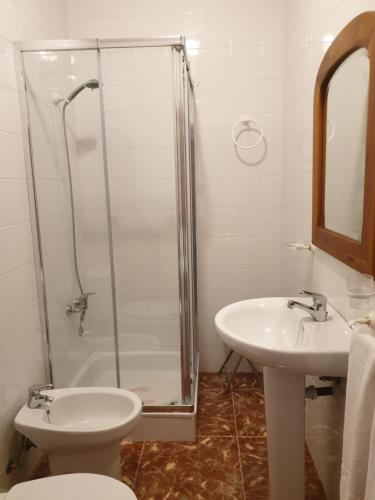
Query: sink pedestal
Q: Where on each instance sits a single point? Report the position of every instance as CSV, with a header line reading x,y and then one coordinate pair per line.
x,y
285,417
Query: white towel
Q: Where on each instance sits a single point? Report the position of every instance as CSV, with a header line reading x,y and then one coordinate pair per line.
x,y
359,418
370,481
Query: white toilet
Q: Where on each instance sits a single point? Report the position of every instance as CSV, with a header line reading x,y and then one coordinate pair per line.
x,y
70,487
80,428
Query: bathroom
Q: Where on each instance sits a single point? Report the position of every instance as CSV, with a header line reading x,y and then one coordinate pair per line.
x,y
186,181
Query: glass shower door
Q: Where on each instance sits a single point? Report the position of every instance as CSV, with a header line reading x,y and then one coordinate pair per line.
x,y
140,130
87,357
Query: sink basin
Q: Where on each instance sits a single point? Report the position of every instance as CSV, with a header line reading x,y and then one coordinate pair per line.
x,y
289,344
267,332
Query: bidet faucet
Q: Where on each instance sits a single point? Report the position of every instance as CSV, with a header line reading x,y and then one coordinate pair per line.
x,y
318,310
36,399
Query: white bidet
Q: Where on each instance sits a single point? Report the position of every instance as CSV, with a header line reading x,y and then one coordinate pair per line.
x,y
81,428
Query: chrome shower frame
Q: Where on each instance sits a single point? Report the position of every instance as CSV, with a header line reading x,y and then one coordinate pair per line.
x,y
183,92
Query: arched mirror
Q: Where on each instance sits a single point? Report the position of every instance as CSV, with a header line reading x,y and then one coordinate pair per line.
x,y
344,147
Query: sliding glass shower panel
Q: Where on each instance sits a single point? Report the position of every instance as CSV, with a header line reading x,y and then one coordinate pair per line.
x,y
87,357
139,118
190,144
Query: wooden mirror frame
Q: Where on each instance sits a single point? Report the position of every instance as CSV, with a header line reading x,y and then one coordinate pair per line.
x,y
359,33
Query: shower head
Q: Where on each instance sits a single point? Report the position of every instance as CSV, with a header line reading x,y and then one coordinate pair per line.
x,y
90,84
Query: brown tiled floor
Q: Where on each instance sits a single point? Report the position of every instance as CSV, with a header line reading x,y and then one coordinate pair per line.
x,y
227,461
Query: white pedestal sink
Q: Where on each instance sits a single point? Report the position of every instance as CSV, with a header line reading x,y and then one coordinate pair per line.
x,y
289,344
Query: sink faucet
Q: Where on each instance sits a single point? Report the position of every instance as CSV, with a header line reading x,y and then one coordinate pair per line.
x,y
318,310
36,399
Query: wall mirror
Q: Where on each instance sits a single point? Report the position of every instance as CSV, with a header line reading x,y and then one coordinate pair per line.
x,y
344,147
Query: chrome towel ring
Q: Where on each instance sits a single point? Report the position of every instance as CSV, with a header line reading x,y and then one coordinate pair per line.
x,y
247,121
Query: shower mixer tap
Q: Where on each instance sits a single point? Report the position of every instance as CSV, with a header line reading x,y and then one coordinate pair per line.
x,y
80,305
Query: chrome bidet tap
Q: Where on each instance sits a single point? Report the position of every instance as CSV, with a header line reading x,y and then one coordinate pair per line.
x,y
318,310
36,399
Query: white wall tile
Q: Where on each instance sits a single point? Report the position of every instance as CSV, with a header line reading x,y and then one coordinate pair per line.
x,y
91,194
7,67
237,192
299,192
15,23
53,233
139,132
255,278
21,352
238,63
28,366
146,252
41,118
307,24
14,201
13,163
138,99
254,96
137,223
238,250
144,66
19,333
16,247
10,120
47,161
150,163
19,283
256,28
211,357
143,194
239,221
147,279
77,9
218,161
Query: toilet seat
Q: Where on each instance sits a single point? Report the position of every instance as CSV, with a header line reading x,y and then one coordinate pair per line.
x,y
72,487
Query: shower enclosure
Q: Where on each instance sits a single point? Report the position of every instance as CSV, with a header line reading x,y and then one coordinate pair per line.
x,y
110,125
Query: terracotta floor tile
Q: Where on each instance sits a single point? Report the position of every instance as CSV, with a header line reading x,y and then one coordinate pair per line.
x,y
246,381
253,452
211,381
209,468
215,414
249,413
130,456
241,380
206,470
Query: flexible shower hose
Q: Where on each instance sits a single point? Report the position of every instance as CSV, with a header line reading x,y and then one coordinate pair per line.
x,y
76,269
